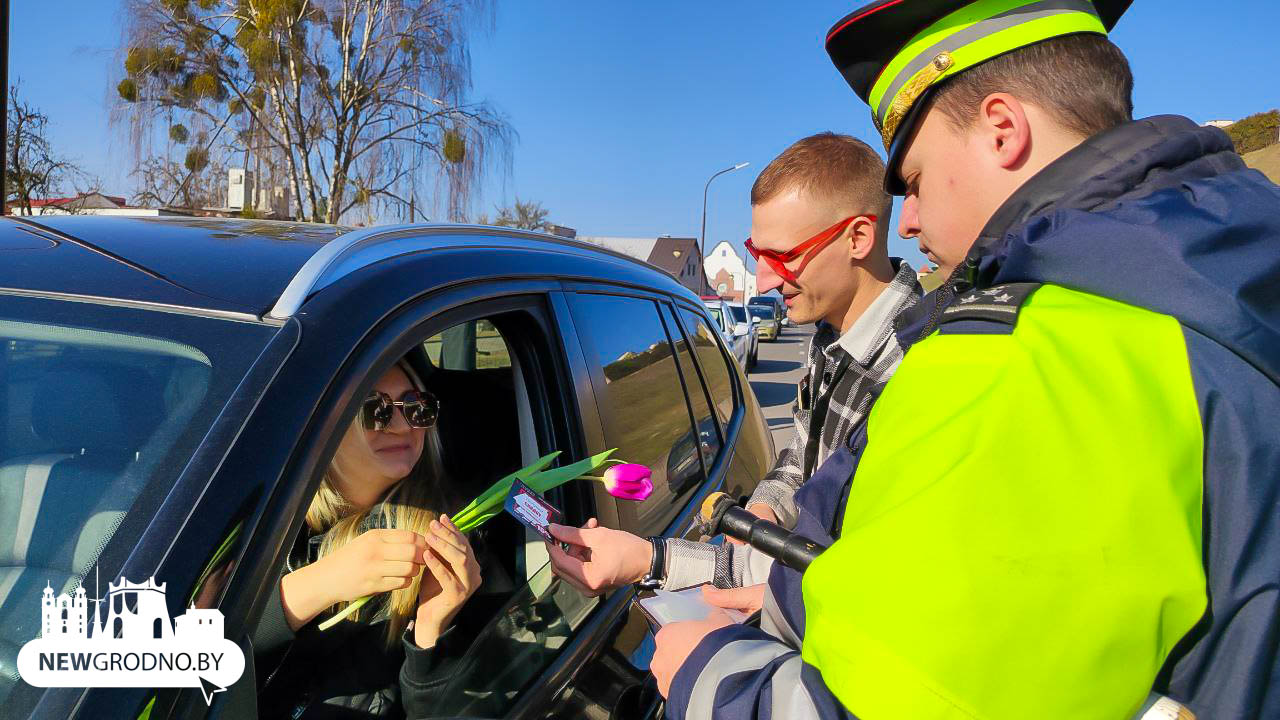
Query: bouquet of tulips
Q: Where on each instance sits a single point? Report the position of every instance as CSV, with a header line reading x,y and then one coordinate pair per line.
x,y
627,481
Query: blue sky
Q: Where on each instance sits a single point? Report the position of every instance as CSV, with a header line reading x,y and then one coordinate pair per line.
x,y
623,110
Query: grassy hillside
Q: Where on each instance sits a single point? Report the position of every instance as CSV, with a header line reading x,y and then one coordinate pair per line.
x,y
1267,160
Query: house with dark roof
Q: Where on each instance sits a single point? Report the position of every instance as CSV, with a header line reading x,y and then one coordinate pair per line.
x,y
678,256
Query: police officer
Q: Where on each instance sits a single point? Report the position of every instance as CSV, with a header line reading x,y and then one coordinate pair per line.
x,y
1064,504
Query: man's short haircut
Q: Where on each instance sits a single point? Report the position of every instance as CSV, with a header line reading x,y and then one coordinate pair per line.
x,y
1083,81
829,166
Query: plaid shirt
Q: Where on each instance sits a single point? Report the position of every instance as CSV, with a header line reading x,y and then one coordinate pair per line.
x,y
873,354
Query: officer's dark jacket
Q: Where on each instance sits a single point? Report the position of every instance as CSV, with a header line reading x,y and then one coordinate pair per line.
x,y
1163,215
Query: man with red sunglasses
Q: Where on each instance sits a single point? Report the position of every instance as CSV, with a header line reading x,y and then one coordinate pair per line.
x,y
819,221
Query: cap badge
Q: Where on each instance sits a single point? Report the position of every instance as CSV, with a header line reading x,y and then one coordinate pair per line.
x,y
912,91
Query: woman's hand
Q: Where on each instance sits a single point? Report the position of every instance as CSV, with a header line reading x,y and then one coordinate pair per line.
x,y
377,561
452,575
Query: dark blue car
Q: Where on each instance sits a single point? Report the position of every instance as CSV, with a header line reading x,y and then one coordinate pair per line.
x,y
171,391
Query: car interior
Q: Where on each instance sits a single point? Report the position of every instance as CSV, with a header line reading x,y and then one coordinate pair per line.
x,y
486,430
87,417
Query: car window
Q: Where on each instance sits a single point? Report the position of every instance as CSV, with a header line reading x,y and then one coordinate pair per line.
x,y
712,362
738,313
521,640
475,344
99,407
641,400
708,429
715,313
491,379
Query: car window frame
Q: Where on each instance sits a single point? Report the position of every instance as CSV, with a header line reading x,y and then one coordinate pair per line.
x,y
271,531
627,518
731,366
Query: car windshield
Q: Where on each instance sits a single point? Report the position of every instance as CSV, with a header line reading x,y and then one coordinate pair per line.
x,y
738,312
763,312
102,408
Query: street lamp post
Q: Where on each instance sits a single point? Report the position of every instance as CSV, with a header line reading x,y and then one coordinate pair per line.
x,y
702,239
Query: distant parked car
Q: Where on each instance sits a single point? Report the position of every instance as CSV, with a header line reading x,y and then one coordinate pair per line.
x,y
742,325
779,309
739,344
765,318
172,392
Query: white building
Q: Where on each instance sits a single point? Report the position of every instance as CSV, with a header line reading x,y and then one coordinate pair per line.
x,y
728,274
270,202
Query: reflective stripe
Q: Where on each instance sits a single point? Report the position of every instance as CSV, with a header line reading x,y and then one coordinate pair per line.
x,y
916,59
734,657
789,698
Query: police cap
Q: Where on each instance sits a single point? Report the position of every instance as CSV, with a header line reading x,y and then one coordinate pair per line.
x,y
893,53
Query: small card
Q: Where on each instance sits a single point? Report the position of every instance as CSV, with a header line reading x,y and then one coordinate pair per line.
x,y
680,606
531,510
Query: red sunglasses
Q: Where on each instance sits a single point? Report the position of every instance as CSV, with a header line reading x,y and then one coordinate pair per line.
x,y
807,249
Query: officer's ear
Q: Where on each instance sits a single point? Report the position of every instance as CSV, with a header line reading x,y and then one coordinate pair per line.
x,y
861,238
1003,131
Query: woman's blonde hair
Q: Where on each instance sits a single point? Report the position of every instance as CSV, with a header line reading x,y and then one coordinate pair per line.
x,y
410,504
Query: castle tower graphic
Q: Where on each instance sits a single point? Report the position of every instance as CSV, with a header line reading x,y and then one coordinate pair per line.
x,y
64,615
134,611
148,618
198,624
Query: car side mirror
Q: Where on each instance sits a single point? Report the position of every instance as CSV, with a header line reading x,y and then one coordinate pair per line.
x,y
755,320
741,329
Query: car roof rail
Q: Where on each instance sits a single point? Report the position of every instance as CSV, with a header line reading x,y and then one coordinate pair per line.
x,y
358,249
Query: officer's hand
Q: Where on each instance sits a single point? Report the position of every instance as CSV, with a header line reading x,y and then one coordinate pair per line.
x,y
760,510
675,641
747,599
599,559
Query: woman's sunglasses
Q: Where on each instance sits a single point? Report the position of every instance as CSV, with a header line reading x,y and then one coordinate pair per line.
x,y
778,260
420,410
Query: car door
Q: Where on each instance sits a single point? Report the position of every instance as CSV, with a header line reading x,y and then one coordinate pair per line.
x,y
672,404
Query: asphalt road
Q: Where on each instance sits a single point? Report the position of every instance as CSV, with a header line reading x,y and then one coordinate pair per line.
x,y
780,366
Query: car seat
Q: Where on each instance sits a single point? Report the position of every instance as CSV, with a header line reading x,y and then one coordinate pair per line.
x,y
59,508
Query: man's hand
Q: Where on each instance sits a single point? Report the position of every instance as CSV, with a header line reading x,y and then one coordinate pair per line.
x,y
748,599
675,641
598,559
760,510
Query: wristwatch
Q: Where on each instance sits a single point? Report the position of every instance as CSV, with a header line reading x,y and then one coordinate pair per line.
x,y
658,566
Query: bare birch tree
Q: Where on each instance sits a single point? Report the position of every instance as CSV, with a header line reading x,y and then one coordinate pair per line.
x,y
362,99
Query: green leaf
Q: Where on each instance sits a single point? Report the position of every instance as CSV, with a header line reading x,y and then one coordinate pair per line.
x,y
544,481
499,489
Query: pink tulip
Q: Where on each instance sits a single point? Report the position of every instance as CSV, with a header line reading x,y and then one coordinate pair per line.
x,y
628,481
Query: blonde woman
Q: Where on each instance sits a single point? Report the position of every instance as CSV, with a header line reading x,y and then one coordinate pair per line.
x,y
374,526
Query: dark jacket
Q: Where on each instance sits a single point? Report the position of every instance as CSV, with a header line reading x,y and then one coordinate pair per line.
x,y
348,671
1163,215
